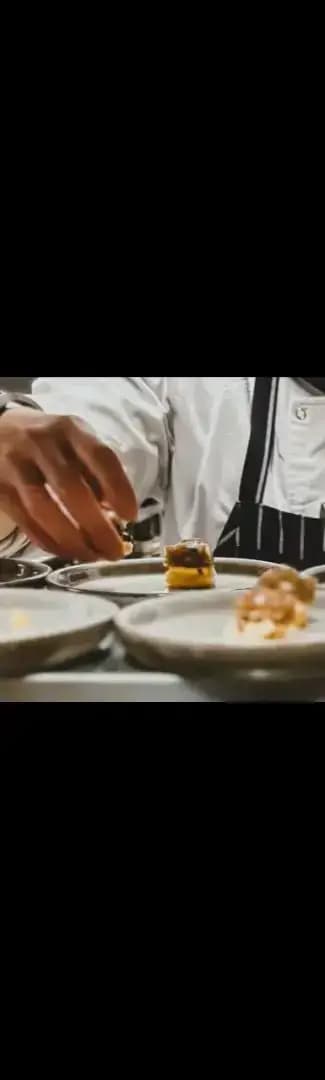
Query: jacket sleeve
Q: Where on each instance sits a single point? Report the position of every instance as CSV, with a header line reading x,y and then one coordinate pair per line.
x,y
129,414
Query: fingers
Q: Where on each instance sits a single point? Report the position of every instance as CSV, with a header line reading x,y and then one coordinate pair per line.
x,y
104,465
39,514
33,531
57,474
74,493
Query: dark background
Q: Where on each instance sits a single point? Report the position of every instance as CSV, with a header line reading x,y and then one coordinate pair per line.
x,y
15,383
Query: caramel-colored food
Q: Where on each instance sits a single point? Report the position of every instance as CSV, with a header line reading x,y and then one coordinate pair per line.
x,y
189,565
123,530
280,600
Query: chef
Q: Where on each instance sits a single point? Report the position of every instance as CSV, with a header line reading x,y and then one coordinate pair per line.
x,y
238,461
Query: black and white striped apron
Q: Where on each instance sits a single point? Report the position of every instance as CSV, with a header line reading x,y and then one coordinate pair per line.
x,y
256,531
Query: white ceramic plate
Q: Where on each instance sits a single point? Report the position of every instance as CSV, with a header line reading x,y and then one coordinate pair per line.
x,y
42,629
317,572
136,579
19,573
196,631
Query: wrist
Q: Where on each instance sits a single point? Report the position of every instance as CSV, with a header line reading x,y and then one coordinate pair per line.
x,y
13,401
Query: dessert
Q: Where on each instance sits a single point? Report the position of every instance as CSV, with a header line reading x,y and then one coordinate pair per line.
x,y
278,604
189,565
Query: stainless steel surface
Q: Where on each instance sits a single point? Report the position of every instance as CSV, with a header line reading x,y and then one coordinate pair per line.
x,y
108,676
148,687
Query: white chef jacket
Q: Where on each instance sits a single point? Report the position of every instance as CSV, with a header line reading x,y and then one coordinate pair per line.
x,y
183,440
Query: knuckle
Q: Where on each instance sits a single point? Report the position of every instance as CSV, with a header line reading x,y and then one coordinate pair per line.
x,y
62,425
6,492
14,455
34,437
16,443
102,455
65,479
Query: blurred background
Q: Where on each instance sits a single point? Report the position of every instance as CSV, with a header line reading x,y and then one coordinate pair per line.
x,y
13,383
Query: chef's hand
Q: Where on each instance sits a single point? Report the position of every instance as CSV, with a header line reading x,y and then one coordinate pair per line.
x,y
62,453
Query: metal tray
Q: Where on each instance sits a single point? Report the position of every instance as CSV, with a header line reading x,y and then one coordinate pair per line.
x,y
145,687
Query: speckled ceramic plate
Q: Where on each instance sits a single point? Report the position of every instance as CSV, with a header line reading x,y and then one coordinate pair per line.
x,y
14,573
42,629
136,579
318,572
195,632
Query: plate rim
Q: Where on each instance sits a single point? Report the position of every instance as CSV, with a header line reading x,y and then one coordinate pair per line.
x,y
55,581
41,572
277,651
108,614
314,571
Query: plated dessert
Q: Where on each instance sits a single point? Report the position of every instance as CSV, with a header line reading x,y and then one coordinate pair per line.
x,y
189,565
272,631
278,604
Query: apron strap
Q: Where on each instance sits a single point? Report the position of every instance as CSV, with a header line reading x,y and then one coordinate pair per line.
x,y
261,441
